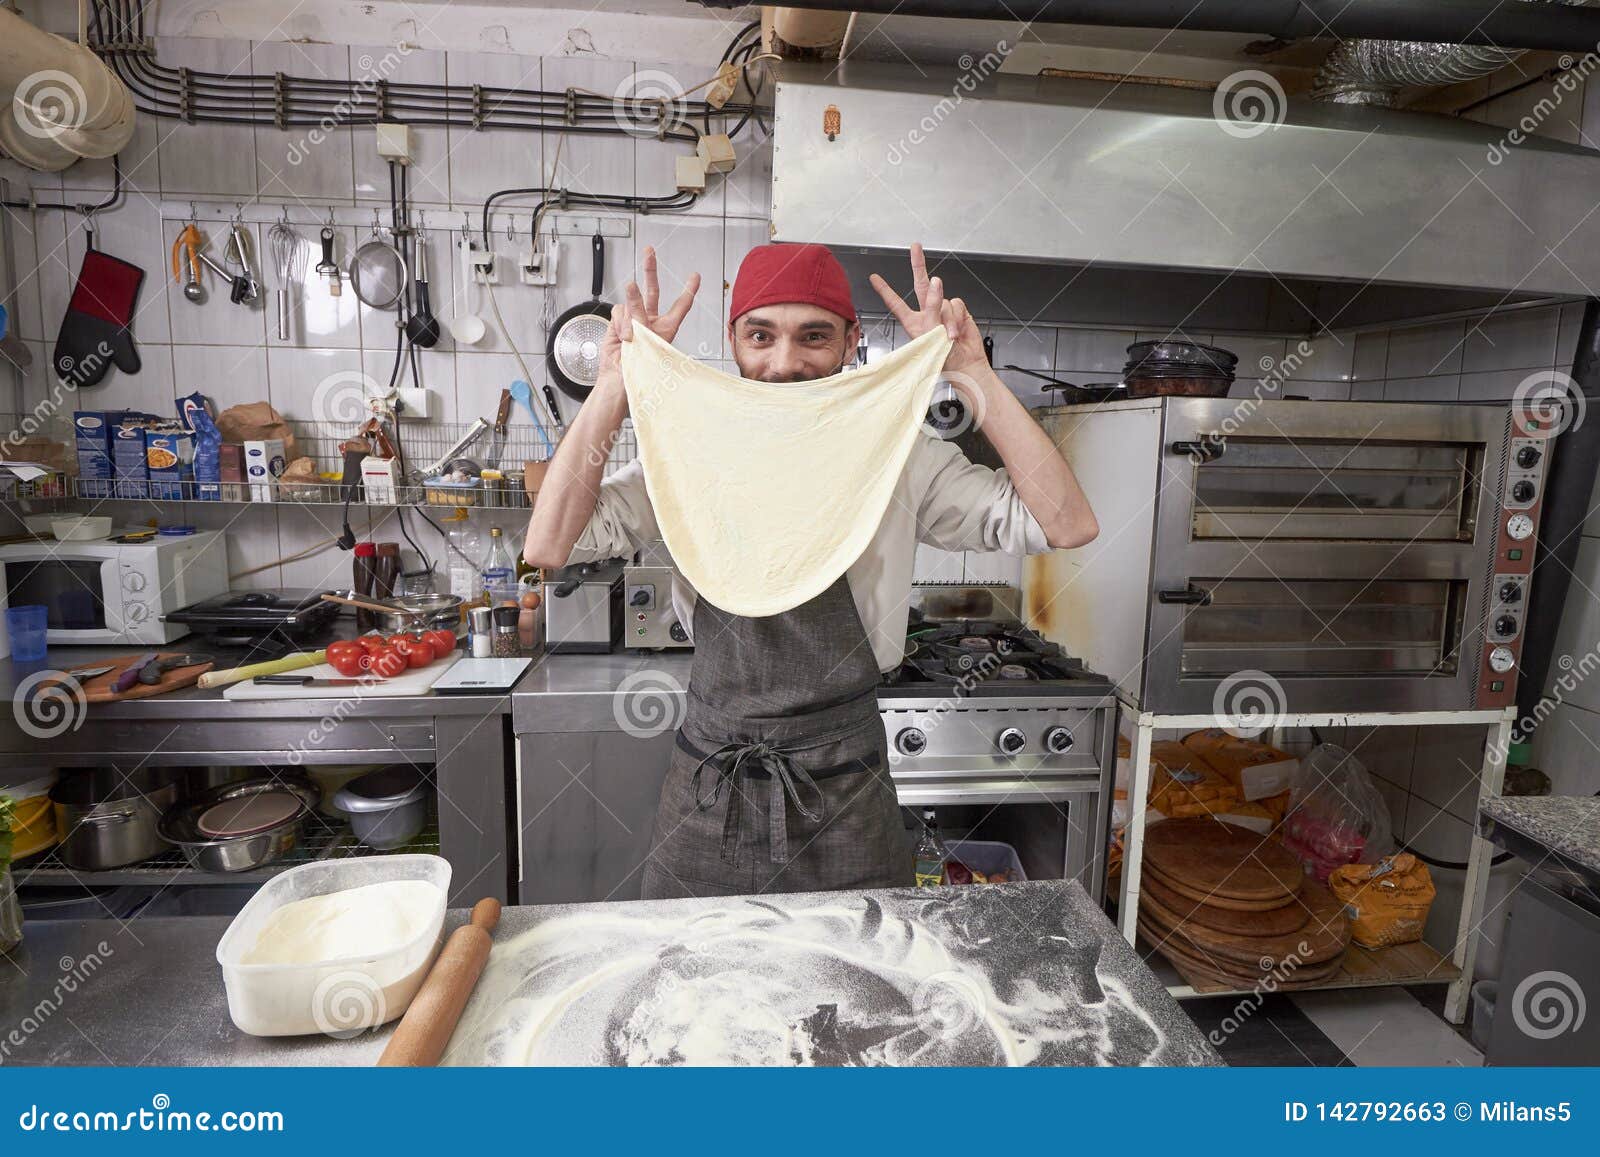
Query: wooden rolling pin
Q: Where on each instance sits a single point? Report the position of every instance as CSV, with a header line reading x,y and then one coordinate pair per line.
x,y
424,1032
272,667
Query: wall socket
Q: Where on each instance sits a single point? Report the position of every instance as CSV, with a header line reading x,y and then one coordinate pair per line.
x,y
413,402
536,265
485,268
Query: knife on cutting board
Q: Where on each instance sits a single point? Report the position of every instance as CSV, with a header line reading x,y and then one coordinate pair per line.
x,y
305,681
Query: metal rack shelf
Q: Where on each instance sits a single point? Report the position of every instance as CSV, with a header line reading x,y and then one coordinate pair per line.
x,y
325,839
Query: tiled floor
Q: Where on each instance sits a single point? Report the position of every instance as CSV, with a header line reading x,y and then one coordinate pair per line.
x,y
1365,1027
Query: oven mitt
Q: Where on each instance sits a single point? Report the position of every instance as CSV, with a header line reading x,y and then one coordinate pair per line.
x,y
96,332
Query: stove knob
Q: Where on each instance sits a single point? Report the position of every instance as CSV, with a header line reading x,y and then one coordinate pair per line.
x,y
1011,740
679,635
1510,592
1528,457
1505,625
911,741
1522,491
1057,740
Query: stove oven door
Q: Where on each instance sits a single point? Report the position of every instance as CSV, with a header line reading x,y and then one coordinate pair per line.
x,y
1322,556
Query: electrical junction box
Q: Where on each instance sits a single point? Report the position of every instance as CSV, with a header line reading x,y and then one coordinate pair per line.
x,y
412,402
536,265
691,175
716,153
721,89
394,142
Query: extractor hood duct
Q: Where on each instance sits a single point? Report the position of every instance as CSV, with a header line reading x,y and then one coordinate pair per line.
x,y
1327,199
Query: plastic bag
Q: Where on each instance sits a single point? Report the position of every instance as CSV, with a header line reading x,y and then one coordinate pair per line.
x,y
1336,815
1387,902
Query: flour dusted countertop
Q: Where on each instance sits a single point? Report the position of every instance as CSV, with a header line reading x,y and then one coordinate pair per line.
x,y
1039,959
1566,825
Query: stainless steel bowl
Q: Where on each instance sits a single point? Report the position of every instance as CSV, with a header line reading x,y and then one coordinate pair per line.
x,y
181,826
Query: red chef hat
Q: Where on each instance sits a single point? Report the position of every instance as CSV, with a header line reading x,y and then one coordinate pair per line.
x,y
771,274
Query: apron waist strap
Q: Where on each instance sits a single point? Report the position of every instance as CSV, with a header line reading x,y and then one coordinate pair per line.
x,y
759,760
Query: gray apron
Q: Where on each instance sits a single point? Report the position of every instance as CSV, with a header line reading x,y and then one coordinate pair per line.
x,y
779,779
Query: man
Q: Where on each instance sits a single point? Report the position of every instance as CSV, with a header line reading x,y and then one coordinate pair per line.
x,y
779,779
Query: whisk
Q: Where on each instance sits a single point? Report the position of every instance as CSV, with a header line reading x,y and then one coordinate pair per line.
x,y
289,254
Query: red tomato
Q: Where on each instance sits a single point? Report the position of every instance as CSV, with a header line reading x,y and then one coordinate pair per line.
x,y
344,647
417,652
350,664
372,642
442,641
387,663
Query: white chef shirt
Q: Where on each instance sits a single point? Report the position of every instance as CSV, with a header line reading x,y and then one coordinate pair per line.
x,y
942,499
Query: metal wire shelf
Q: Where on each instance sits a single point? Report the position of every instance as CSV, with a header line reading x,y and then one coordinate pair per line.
x,y
421,445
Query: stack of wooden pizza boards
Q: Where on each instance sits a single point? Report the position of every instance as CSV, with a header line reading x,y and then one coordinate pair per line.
x,y
1231,908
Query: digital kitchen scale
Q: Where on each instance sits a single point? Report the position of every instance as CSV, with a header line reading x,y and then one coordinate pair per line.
x,y
471,676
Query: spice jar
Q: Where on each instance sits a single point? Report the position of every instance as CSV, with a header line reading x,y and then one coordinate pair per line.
x,y
505,633
481,620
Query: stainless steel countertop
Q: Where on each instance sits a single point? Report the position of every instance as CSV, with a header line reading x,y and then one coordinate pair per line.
x,y
562,691
192,702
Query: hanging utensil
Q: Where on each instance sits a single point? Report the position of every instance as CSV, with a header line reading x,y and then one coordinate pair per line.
x,y
186,263
497,443
328,267
378,273
574,355
422,328
239,255
465,325
289,257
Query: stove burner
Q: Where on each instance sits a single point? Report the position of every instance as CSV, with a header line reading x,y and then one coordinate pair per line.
x,y
973,654
1014,671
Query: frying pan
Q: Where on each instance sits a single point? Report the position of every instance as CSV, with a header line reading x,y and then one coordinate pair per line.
x,y
574,355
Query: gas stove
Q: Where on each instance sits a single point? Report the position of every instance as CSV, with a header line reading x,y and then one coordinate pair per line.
x,y
987,713
984,658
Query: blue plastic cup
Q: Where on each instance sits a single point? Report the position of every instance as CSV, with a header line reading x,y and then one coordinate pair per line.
x,y
27,627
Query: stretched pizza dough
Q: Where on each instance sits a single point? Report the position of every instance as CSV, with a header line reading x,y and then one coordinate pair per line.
x,y
766,493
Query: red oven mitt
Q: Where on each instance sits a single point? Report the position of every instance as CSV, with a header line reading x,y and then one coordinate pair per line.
x,y
96,332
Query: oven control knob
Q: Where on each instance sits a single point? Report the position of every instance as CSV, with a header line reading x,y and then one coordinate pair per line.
x,y
133,580
1528,457
1510,593
1011,740
1505,625
679,635
1057,740
1522,491
136,612
1501,660
911,741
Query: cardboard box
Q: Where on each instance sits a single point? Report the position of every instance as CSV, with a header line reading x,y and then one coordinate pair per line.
x,y
380,479
230,472
127,458
92,438
263,465
169,462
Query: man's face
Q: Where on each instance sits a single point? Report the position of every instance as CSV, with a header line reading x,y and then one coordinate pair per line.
x,y
792,342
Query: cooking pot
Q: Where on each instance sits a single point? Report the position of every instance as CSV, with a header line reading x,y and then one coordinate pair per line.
x,y
421,613
107,819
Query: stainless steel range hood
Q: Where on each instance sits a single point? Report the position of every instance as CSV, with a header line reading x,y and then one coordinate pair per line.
x,y
1334,216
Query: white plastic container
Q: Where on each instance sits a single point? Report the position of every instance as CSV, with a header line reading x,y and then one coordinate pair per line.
x,y
341,997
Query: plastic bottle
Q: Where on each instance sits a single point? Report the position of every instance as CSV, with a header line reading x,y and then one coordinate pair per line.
x,y
499,571
930,853
465,561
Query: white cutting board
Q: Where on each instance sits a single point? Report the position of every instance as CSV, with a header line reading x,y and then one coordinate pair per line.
x,y
418,682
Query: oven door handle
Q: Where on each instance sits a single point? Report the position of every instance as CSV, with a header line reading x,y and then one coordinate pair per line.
x,y
1190,596
1207,449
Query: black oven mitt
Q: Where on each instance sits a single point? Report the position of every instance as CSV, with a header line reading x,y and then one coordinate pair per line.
x,y
96,332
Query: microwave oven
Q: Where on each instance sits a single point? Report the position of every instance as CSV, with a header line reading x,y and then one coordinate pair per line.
x,y
114,592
